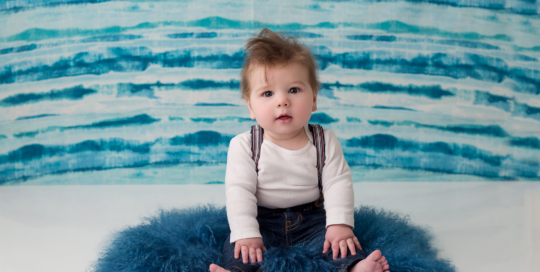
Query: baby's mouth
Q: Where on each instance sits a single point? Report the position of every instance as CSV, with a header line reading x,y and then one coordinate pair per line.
x,y
284,118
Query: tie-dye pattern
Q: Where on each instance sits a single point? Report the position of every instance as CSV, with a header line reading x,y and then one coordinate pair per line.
x,y
147,92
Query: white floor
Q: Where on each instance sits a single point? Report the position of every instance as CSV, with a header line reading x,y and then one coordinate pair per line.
x,y
479,226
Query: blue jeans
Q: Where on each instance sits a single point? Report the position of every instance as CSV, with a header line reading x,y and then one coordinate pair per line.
x,y
288,227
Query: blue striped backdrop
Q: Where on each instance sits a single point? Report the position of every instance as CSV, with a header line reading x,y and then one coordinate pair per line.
x,y
147,92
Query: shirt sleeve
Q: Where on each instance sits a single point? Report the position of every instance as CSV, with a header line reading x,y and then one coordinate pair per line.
x,y
337,184
240,189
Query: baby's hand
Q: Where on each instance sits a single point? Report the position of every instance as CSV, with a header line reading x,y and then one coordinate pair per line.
x,y
339,237
252,247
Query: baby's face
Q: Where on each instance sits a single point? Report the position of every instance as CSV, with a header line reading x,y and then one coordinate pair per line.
x,y
282,102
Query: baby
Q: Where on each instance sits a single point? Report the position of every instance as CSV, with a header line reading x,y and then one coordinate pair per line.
x,y
278,172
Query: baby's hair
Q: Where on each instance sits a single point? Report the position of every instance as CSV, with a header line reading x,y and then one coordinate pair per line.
x,y
269,49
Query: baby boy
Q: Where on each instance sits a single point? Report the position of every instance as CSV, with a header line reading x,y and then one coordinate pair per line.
x,y
276,176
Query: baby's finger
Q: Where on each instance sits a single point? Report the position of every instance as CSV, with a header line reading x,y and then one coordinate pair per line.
x,y
335,250
245,254
326,247
259,255
357,243
236,251
264,248
343,247
350,243
252,254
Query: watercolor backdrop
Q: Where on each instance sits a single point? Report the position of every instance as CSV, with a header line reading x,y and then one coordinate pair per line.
x,y
147,92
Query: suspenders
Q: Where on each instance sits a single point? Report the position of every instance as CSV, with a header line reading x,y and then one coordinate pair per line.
x,y
317,134
256,142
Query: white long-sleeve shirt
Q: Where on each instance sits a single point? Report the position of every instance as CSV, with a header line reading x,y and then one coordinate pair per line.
x,y
286,178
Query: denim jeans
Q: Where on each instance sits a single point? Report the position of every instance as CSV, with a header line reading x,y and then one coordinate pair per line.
x,y
288,227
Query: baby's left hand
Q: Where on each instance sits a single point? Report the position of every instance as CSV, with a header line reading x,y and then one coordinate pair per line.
x,y
340,237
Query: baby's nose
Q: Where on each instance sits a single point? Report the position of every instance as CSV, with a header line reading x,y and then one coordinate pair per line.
x,y
284,102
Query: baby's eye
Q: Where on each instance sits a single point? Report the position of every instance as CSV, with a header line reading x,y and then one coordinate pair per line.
x,y
267,94
294,90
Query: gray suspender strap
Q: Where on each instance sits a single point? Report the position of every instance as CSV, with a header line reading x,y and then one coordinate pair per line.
x,y
317,134
256,142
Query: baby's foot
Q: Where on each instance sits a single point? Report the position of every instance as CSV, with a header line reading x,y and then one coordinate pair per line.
x,y
373,263
215,268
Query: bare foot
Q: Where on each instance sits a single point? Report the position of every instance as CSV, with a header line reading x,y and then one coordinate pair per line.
x,y
373,263
215,268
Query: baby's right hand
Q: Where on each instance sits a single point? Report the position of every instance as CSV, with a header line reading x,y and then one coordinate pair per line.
x,y
252,247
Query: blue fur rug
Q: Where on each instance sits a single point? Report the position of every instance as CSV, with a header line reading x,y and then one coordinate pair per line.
x,y
191,239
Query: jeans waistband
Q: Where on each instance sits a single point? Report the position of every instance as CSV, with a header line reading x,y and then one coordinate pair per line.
x,y
304,207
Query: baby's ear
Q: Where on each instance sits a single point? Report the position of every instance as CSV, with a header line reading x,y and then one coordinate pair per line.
x,y
314,102
251,113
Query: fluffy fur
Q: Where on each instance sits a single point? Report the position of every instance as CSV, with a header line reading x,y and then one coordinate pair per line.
x,y
191,239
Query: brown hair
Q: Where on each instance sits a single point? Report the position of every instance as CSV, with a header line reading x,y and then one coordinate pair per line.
x,y
268,49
